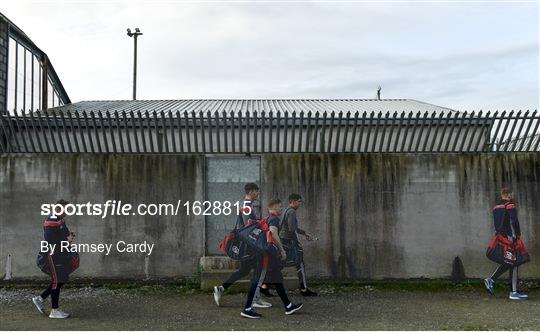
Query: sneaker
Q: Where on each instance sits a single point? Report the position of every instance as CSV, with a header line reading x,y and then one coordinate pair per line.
x,y
38,302
250,314
218,292
488,282
57,313
260,303
292,308
307,292
266,292
517,296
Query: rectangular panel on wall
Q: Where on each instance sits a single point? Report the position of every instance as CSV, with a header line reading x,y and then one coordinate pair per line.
x,y
226,177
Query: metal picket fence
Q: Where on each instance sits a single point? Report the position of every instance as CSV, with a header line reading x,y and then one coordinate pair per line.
x,y
268,132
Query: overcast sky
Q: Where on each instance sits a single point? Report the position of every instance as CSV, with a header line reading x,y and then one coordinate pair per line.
x,y
459,55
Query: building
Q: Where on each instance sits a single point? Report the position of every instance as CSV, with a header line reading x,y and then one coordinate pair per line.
x,y
247,126
387,183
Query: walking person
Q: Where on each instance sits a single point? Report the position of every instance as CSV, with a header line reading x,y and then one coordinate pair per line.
x,y
268,267
251,195
55,231
289,236
506,224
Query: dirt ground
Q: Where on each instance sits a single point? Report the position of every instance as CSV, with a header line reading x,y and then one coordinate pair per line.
x,y
337,308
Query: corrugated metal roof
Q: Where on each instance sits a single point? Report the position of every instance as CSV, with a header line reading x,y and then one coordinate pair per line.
x,y
251,105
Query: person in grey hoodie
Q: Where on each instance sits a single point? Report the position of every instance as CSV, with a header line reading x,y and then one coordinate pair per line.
x,y
289,237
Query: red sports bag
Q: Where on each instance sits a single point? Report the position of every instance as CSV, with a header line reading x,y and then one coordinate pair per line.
x,y
505,251
258,237
235,248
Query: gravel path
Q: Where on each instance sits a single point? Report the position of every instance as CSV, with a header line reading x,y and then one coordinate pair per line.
x,y
366,308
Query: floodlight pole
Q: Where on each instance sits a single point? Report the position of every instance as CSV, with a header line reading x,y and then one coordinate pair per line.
x,y
135,34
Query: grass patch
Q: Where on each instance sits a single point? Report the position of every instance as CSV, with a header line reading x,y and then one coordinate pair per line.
x,y
419,285
191,286
183,287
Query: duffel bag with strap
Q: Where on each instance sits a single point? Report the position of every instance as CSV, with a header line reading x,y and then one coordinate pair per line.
x,y
235,248
42,262
502,250
256,234
522,254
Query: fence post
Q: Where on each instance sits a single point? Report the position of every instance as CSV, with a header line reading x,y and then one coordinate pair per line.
x,y
4,58
326,132
44,82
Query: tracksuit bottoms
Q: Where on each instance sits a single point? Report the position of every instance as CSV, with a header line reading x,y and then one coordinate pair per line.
x,y
273,276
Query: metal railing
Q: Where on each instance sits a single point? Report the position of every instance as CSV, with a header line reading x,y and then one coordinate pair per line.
x,y
268,132
31,81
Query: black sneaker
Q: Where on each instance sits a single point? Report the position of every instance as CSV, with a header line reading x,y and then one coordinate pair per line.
x,y
293,308
307,292
251,314
266,292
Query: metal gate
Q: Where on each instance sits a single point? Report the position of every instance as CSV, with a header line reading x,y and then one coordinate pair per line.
x,y
225,180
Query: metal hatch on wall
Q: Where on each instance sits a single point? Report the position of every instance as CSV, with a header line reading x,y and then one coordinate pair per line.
x,y
225,180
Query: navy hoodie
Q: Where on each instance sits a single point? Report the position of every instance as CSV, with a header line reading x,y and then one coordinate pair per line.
x,y
505,219
55,231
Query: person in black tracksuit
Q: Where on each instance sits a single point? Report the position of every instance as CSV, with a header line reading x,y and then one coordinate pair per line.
x,y
55,231
251,194
289,236
507,224
268,267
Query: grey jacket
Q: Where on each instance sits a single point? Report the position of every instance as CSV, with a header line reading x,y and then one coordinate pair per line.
x,y
289,229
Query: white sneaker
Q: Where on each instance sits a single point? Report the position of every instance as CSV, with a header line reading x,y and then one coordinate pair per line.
x,y
57,313
517,296
218,292
38,302
260,303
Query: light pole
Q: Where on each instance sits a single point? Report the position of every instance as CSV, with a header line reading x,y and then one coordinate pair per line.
x,y
135,34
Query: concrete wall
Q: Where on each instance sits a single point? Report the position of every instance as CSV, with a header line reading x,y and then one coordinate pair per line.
x,y
28,181
405,216
376,216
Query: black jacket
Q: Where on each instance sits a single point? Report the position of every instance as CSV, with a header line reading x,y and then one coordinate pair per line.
x,y
505,218
55,231
289,229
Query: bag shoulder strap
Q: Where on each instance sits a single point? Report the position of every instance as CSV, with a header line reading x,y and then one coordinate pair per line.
x,y
285,214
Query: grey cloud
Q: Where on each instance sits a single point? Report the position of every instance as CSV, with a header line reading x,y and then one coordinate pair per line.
x,y
447,54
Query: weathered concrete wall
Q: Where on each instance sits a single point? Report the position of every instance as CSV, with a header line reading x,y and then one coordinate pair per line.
x,y
405,216
26,182
376,216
